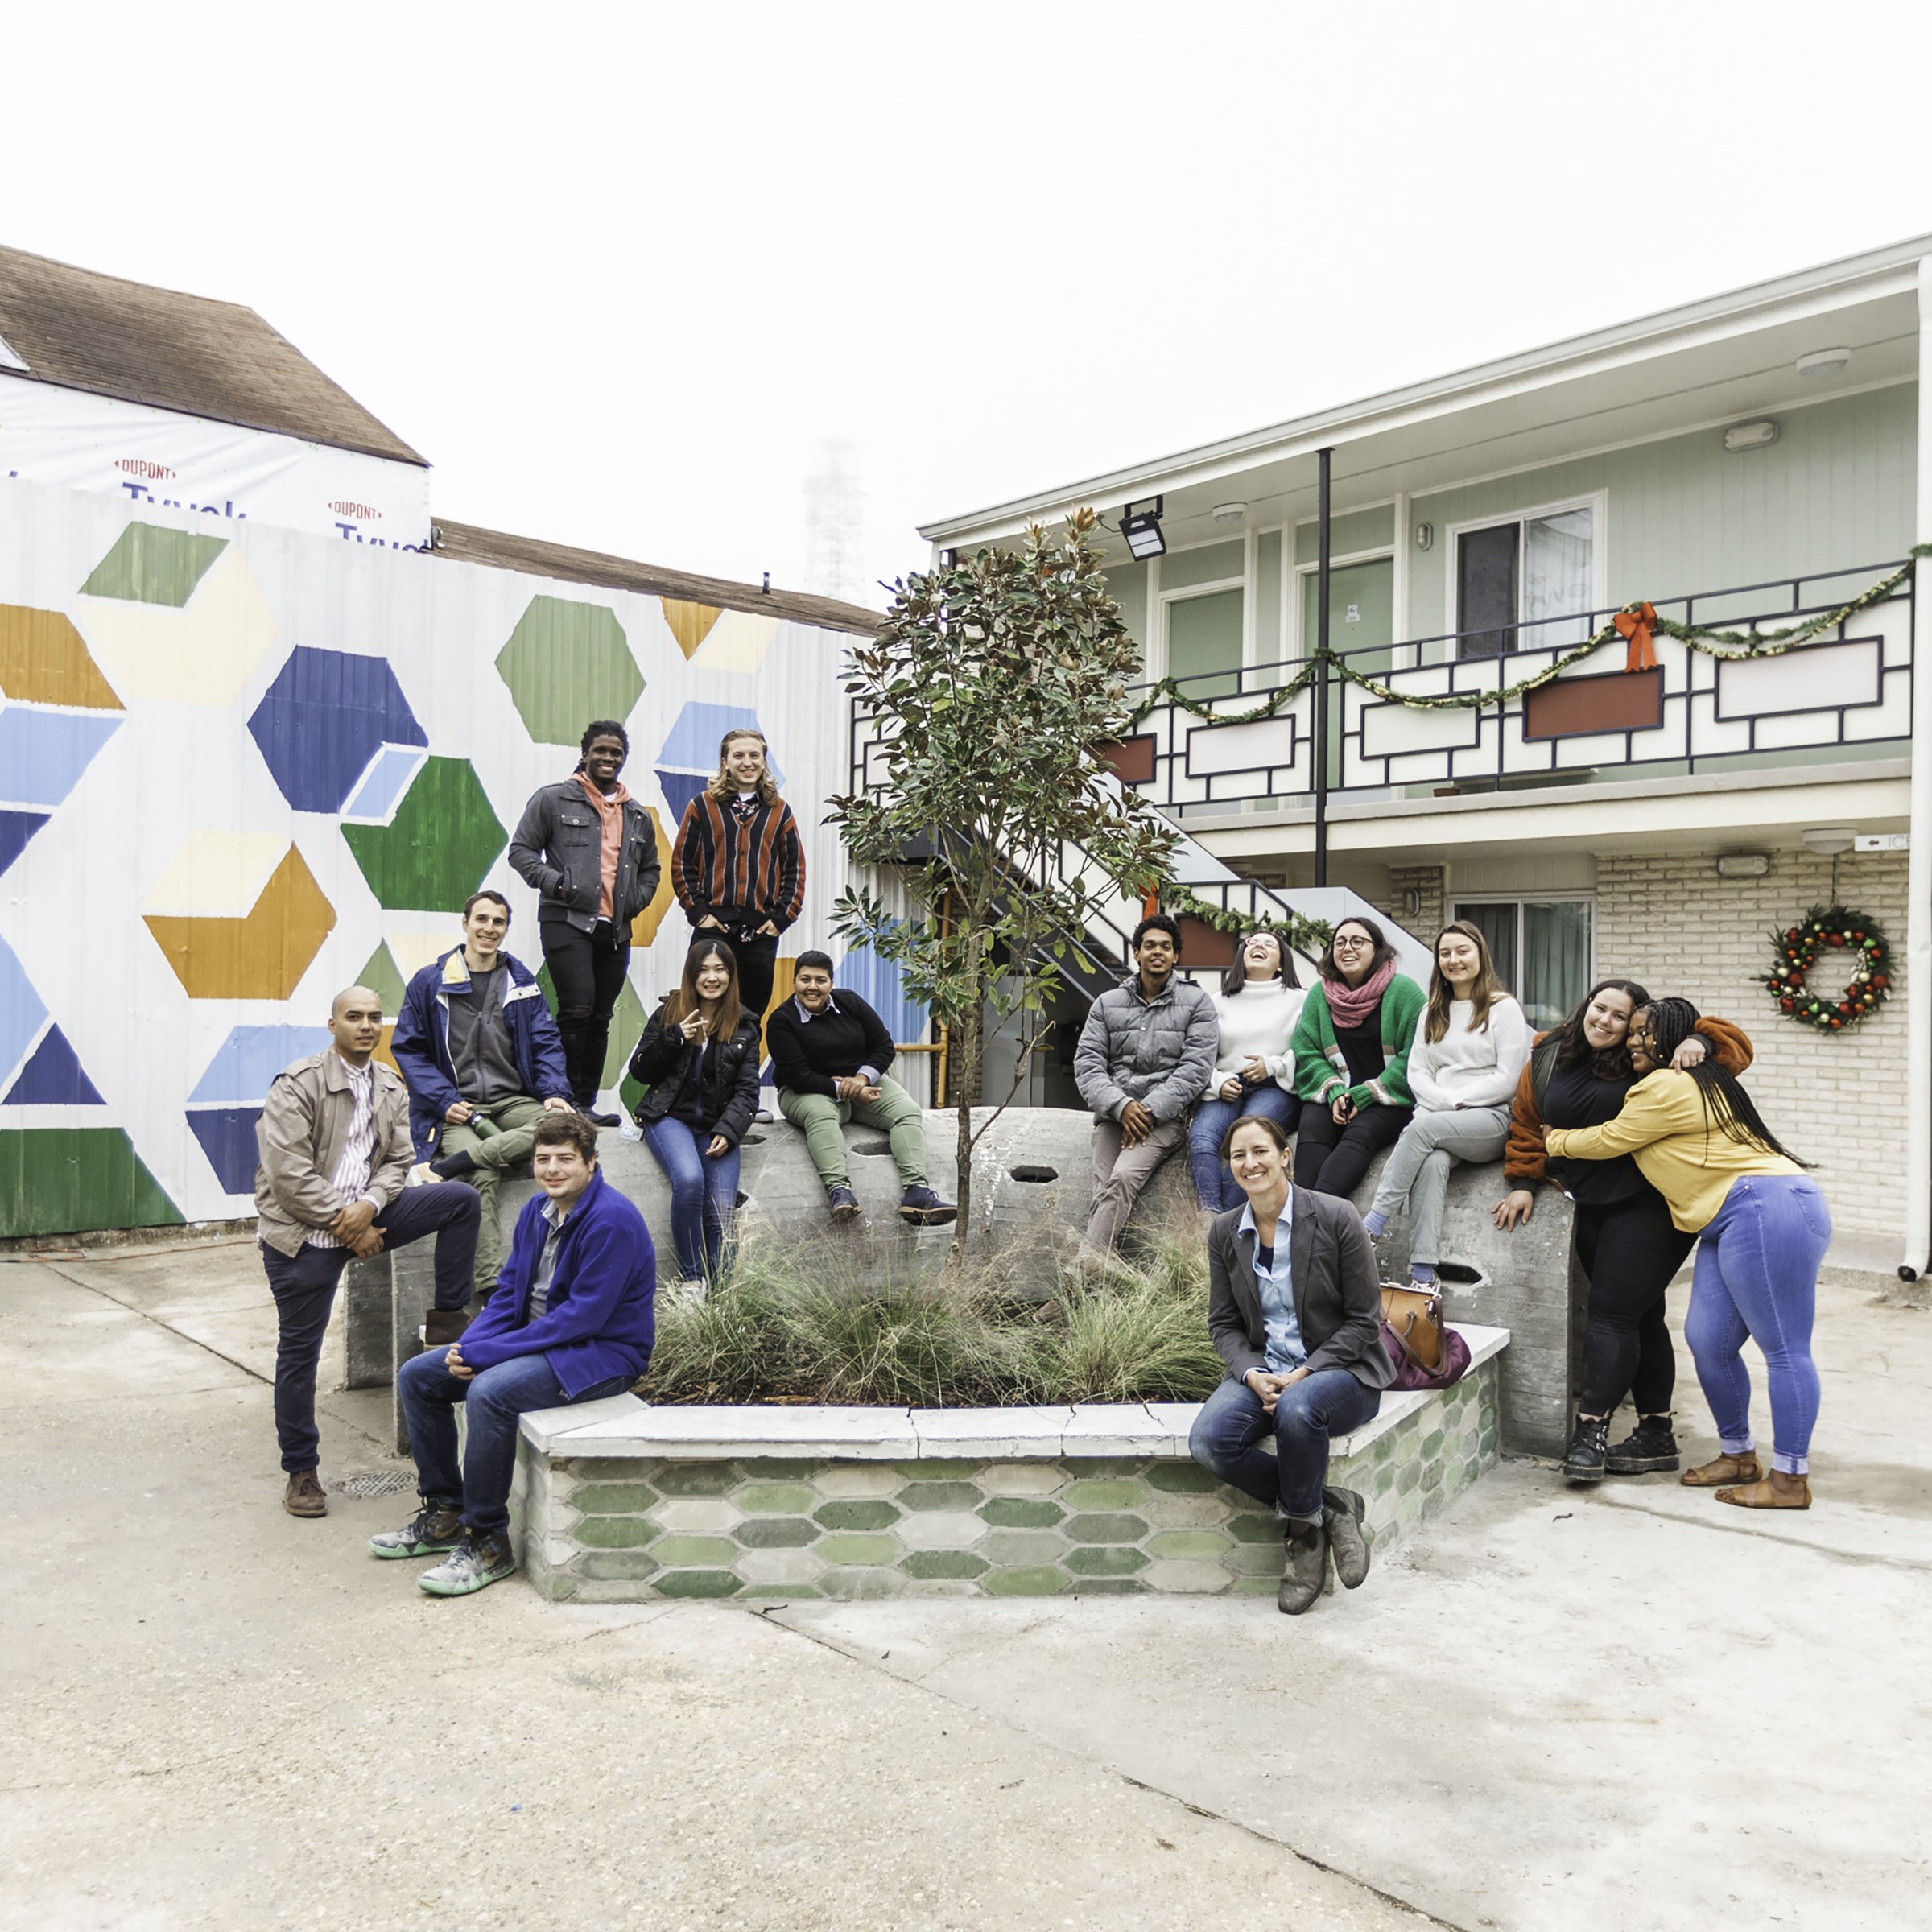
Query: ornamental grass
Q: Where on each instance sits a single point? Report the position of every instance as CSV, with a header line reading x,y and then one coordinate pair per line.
x,y
824,1324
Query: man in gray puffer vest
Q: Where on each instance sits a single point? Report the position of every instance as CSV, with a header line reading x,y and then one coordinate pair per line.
x,y
1144,1057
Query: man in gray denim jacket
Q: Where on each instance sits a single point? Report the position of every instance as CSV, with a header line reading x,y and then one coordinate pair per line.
x,y
1144,1056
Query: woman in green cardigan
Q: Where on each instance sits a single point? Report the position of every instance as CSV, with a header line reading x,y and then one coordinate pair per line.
x,y
1350,1049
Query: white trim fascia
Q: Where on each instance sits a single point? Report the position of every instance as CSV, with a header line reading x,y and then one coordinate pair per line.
x,y
1807,294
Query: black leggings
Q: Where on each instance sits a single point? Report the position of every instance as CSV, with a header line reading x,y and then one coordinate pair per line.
x,y
588,971
1329,1159
1629,1249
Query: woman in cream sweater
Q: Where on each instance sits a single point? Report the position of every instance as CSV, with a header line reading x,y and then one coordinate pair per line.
x,y
1471,1043
1763,1228
1258,1006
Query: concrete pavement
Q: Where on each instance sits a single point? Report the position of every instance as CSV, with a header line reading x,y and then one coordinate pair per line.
x,y
1627,1708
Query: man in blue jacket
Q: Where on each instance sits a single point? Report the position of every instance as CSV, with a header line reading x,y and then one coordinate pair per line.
x,y
484,1062
571,1320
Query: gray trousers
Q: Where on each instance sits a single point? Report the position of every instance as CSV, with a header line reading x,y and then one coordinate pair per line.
x,y
1418,1169
1120,1172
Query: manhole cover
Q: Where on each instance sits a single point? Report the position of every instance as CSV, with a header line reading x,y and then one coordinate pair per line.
x,y
377,1482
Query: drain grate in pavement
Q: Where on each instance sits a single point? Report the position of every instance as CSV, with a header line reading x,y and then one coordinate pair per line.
x,y
377,1482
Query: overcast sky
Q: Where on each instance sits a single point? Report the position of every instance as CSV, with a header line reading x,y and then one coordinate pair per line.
x,y
658,280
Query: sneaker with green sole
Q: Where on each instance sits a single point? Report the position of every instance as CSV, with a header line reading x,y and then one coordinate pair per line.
x,y
482,1558
433,1530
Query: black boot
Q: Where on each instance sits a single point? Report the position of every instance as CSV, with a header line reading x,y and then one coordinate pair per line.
x,y
1305,1546
1584,1463
1649,1447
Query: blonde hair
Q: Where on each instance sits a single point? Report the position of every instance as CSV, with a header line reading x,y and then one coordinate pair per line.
x,y
725,786
1484,994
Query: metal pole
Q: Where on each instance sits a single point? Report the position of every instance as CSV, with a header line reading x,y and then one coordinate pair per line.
x,y
1321,672
1918,863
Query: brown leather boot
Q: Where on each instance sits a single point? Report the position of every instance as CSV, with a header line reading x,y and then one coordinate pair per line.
x,y
304,1495
442,1326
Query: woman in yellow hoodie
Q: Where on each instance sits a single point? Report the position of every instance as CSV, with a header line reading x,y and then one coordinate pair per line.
x,y
1763,1228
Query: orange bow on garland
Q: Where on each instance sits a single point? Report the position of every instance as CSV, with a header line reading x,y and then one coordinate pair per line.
x,y
1635,625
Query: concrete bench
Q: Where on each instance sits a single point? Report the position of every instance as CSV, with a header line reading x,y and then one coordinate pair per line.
x,y
1032,1175
623,1501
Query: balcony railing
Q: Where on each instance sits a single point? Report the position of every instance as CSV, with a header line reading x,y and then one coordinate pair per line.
x,y
1848,690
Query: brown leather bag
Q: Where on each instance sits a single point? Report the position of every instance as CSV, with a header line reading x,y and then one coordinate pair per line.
x,y
1414,1317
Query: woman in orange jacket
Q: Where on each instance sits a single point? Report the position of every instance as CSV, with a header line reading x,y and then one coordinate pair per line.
x,y
1629,1247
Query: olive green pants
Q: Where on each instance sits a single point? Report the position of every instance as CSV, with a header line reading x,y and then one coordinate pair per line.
x,y
895,1113
508,1136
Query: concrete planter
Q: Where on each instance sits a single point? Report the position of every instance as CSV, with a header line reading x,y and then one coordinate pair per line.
x,y
620,1501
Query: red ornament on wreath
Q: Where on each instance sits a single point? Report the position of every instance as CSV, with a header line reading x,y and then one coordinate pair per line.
x,y
1796,950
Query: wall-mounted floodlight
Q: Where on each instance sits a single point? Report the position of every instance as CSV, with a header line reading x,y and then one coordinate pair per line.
x,y
1141,526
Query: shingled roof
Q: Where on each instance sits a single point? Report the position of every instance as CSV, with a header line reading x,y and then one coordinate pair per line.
x,y
155,346
464,543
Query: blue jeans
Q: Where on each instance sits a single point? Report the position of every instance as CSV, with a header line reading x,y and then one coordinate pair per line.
x,y
1757,1275
1227,1433
1214,1185
704,1195
494,1399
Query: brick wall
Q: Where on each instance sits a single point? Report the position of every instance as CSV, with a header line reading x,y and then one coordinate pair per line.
x,y
1427,881
1839,1099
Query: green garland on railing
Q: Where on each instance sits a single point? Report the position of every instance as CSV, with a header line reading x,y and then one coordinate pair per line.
x,y
1303,934
1737,646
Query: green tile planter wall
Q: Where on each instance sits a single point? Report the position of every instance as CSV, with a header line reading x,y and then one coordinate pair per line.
x,y
620,1501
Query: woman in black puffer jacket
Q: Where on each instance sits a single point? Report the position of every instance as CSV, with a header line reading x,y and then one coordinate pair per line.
x,y
699,1064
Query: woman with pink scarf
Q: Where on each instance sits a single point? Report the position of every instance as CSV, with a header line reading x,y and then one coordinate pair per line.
x,y
1350,1049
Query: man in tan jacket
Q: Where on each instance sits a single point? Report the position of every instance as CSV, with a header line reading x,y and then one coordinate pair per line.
x,y
334,1147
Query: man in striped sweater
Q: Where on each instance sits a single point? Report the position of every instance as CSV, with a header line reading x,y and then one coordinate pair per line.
x,y
738,866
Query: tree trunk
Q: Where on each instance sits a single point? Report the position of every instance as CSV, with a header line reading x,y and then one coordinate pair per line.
x,y
966,1087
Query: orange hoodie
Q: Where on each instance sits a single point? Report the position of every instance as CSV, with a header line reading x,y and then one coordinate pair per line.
x,y
610,813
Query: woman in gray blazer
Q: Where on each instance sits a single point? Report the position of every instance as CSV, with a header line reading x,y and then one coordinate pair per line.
x,y
1295,1307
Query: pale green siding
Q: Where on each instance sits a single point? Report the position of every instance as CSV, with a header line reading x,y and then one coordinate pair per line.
x,y
1359,529
1128,582
1179,568
1834,492
1267,644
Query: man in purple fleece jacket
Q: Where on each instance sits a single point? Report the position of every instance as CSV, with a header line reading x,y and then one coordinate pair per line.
x,y
571,1320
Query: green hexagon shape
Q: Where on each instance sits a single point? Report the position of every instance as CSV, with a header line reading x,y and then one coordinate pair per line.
x,y
565,664
432,855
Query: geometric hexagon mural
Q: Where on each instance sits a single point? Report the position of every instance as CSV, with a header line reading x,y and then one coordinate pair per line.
x,y
188,625
22,1011
383,977
441,839
325,718
68,1180
720,639
43,661
687,759
565,664
227,1099
644,927
879,984
259,954
150,564
689,623
43,754
53,1077
16,828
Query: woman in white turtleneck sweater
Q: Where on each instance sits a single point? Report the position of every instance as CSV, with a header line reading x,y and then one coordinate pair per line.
x,y
1471,1044
1257,1007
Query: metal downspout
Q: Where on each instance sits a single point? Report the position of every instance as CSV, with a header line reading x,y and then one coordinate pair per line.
x,y
1919,872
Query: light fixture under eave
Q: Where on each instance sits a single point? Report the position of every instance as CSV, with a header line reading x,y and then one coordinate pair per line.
x,y
1229,512
1743,865
1822,362
1141,526
1828,841
1760,435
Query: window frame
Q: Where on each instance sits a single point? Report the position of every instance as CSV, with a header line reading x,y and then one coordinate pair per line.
x,y
1454,902
1596,501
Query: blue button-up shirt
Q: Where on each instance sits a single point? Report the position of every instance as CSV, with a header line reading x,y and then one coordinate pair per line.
x,y
1274,1283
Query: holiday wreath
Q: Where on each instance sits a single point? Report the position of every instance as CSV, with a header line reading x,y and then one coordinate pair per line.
x,y
1861,947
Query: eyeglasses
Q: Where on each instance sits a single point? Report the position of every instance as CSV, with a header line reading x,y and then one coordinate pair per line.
x,y
1352,945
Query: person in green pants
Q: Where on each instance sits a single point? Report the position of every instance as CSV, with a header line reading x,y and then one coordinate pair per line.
x,y
829,1054
484,1062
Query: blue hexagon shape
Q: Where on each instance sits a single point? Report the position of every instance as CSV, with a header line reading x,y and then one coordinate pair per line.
x,y
324,719
688,757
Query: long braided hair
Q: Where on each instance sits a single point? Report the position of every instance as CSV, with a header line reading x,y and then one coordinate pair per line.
x,y
1726,1106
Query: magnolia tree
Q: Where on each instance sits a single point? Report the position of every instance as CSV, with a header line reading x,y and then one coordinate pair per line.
x,y
989,687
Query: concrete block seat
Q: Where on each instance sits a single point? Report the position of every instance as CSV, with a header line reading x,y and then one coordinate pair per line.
x,y
623,1501
1032,1181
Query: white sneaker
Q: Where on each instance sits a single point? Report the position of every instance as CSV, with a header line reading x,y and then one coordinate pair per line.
x,y
420,1176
